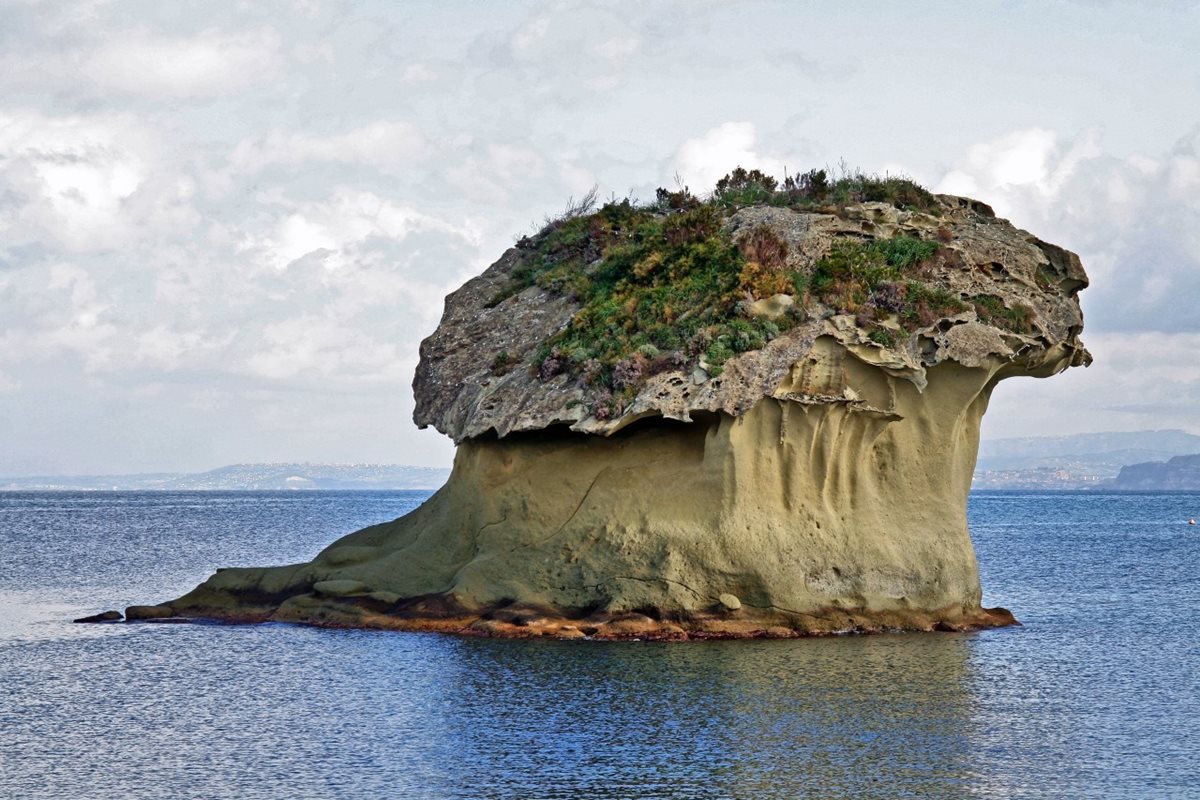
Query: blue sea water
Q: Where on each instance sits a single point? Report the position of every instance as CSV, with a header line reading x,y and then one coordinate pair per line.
x,y
1096,696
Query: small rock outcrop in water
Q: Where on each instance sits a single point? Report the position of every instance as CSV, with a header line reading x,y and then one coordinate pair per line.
x,y
752,415
136,613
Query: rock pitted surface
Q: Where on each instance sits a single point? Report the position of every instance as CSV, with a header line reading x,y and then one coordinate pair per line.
x,y
798,464
458,393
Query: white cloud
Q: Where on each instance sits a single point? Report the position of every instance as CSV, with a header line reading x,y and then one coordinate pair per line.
x,y
311,53
56,310
165,348
75,176
245,210
209,64
332,228
496,171
323,348
618,49
380,143
295,237
1019,167
418,73
578,180
531,34
89,183
1138,381
702,161
513,163
1184,174
1132,220
562,56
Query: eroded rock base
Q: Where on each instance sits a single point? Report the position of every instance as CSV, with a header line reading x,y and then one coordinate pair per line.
x,y
794,518
523,621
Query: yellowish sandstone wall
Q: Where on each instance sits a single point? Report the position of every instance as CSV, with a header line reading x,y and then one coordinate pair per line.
x,y
793,508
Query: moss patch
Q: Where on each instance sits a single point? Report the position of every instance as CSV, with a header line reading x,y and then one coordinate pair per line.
x,y
992,310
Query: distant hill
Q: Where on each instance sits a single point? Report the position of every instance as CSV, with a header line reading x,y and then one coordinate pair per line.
x,y
1031,451
1180,472
246,477
1120,460
1080,461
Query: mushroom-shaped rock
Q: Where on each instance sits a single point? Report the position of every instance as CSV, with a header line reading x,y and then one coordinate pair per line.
x,y
776,405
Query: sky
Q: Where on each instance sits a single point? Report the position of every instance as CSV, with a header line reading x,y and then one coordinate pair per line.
x,y
225,227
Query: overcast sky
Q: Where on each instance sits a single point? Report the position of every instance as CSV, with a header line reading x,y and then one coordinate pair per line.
x,y
225,227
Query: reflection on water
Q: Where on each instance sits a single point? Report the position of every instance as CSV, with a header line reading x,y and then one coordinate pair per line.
x,y
267,711
1069,705
759,719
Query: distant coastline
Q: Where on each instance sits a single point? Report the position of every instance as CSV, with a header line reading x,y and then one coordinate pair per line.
x,y
246,477
1081,462
1114,461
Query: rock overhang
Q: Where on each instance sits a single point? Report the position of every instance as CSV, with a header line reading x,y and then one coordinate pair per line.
x,y
1015,310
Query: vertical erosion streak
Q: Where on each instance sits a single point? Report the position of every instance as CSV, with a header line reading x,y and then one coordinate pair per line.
x,y
965,435
787,455
817,462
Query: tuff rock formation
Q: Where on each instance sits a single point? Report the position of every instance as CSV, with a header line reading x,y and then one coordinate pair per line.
x,y
813,481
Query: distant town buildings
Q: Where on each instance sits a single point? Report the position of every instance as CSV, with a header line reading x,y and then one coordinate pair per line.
x,y
1040,478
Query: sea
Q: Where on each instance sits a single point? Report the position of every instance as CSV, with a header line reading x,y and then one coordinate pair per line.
x,y
1096,695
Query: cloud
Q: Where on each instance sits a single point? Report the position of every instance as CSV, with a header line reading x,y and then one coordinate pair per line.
x,y
258,210
335,228
563,55
88,183
702,161
69,179
170,349
495,170
1139,381
209,64
381,143
418,73
797,62
1022,167
55,310
1135,221
320,348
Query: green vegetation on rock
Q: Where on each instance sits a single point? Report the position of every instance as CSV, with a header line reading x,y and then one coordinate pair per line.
x,y
814,190
991,309
666,286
